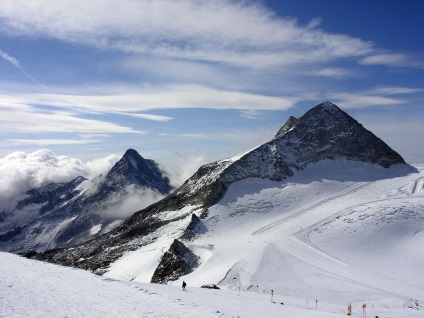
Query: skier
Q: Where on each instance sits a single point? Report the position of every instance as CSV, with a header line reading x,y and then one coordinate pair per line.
x,y
184,285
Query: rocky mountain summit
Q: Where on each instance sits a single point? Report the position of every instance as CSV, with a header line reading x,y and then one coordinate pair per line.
x,y
324,132
62,214
134,169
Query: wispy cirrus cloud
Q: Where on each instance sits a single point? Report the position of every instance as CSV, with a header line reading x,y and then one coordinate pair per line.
x,y
375,96
396,90
392,59
20,117
250,114
162,97
16,64
49,142
357,100
336,73
223,30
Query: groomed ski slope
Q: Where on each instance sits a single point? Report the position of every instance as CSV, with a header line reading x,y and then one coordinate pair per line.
x,y
290,236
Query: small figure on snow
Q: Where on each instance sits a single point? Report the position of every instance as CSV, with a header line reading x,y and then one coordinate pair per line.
x,y
184,285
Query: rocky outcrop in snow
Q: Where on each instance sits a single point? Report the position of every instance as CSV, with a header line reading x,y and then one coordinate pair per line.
x,y
177,261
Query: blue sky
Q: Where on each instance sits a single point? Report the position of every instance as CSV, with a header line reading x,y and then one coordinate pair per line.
x,y
189,82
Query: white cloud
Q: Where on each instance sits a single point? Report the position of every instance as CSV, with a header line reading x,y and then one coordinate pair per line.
x,y
146,116
362,99
10,59
241,33
395,90
20,172
102,165
375,96
183,166
46,142
132,200
16,64
331,72
16,115
392,59
148,98
250,114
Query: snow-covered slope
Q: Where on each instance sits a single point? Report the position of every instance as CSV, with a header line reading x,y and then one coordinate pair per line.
x,y
34,289
346,230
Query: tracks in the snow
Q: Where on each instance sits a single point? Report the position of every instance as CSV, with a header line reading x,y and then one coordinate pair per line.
x,y
297,212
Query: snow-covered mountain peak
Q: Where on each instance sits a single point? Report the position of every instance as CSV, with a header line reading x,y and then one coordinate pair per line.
x,y
61,214
132,168
324,110
328,106
133,157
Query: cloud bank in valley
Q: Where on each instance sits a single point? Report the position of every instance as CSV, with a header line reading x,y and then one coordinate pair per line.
x,y
20,171
132,200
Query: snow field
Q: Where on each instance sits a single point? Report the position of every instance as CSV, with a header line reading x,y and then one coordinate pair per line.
x,y
35,289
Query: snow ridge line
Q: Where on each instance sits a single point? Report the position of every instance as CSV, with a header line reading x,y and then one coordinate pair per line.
x,y
356,187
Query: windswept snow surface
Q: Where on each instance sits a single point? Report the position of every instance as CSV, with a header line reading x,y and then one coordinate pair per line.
x,y
34,289
338,232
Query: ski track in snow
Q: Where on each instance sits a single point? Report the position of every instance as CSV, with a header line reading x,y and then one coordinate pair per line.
x,y
286,234
310,207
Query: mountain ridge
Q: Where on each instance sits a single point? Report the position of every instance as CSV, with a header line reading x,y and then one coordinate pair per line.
x,y
62,214
324,132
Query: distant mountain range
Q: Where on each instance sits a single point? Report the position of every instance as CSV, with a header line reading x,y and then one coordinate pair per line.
x,y
64,214
325,132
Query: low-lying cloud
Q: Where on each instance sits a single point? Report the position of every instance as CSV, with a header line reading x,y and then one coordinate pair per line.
x,y
20,172
131,200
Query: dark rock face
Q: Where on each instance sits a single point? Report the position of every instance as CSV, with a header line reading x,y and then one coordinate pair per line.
x,y
194,228
62,214
324,132
52,195
176,262
327,132
290,124
134,169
